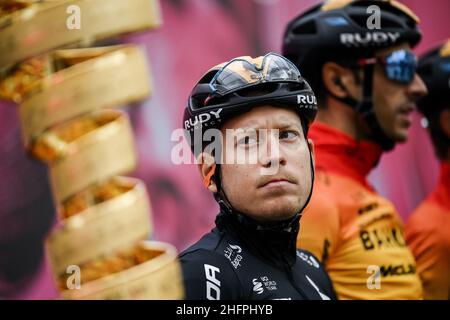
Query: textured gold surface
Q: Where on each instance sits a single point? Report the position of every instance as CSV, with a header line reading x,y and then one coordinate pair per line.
x,y
105,77
93,157
108,227
42,27
157,278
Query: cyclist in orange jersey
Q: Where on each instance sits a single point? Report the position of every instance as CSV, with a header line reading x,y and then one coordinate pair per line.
x,y
364,76
427,230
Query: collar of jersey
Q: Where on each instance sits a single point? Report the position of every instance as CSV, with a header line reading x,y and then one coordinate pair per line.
x,y
274,243
339,153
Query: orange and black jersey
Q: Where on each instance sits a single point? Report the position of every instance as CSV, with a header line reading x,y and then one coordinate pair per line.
x,y
428,235
356,233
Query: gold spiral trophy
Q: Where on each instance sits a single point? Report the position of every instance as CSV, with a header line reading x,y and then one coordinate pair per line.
x,y
68,94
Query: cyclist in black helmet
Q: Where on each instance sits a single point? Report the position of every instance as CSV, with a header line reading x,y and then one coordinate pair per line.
x,y
358,58
261,103
427,228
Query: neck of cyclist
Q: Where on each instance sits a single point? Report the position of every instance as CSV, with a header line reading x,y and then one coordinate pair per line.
x,y
342,117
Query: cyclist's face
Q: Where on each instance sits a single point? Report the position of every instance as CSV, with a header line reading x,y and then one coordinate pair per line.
x,y
393,101
276,184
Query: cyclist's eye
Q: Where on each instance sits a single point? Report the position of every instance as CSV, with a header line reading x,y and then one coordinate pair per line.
x,y
288,134
248,140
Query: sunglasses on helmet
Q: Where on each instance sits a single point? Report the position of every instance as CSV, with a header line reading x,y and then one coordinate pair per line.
x,y
241,72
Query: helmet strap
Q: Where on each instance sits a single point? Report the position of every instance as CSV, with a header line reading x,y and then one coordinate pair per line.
x,y
220,196
225,204
365,109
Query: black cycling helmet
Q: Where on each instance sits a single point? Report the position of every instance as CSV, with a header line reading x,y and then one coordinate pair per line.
x,y
234,87
337,29
434,69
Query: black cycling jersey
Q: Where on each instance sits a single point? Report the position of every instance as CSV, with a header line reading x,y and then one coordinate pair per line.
x,y
242,259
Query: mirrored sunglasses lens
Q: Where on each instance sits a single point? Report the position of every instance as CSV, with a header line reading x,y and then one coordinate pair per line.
x,y
401,66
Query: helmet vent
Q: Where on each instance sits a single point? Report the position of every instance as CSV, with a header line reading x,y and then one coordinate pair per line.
x,y
208,77
306,28
259,90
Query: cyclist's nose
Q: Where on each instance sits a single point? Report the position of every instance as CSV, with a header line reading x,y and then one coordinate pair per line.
x,y
417,88
271,154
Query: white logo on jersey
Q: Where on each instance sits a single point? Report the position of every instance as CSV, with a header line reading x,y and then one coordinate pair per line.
x,y
308,259
314,262
263,282
232,254
212,283
257,286
235,247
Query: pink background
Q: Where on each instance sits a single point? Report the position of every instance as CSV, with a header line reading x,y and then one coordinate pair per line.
x,y
196,35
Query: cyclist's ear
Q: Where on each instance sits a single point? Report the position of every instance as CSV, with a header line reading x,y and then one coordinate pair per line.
x,y
207,168
340,81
